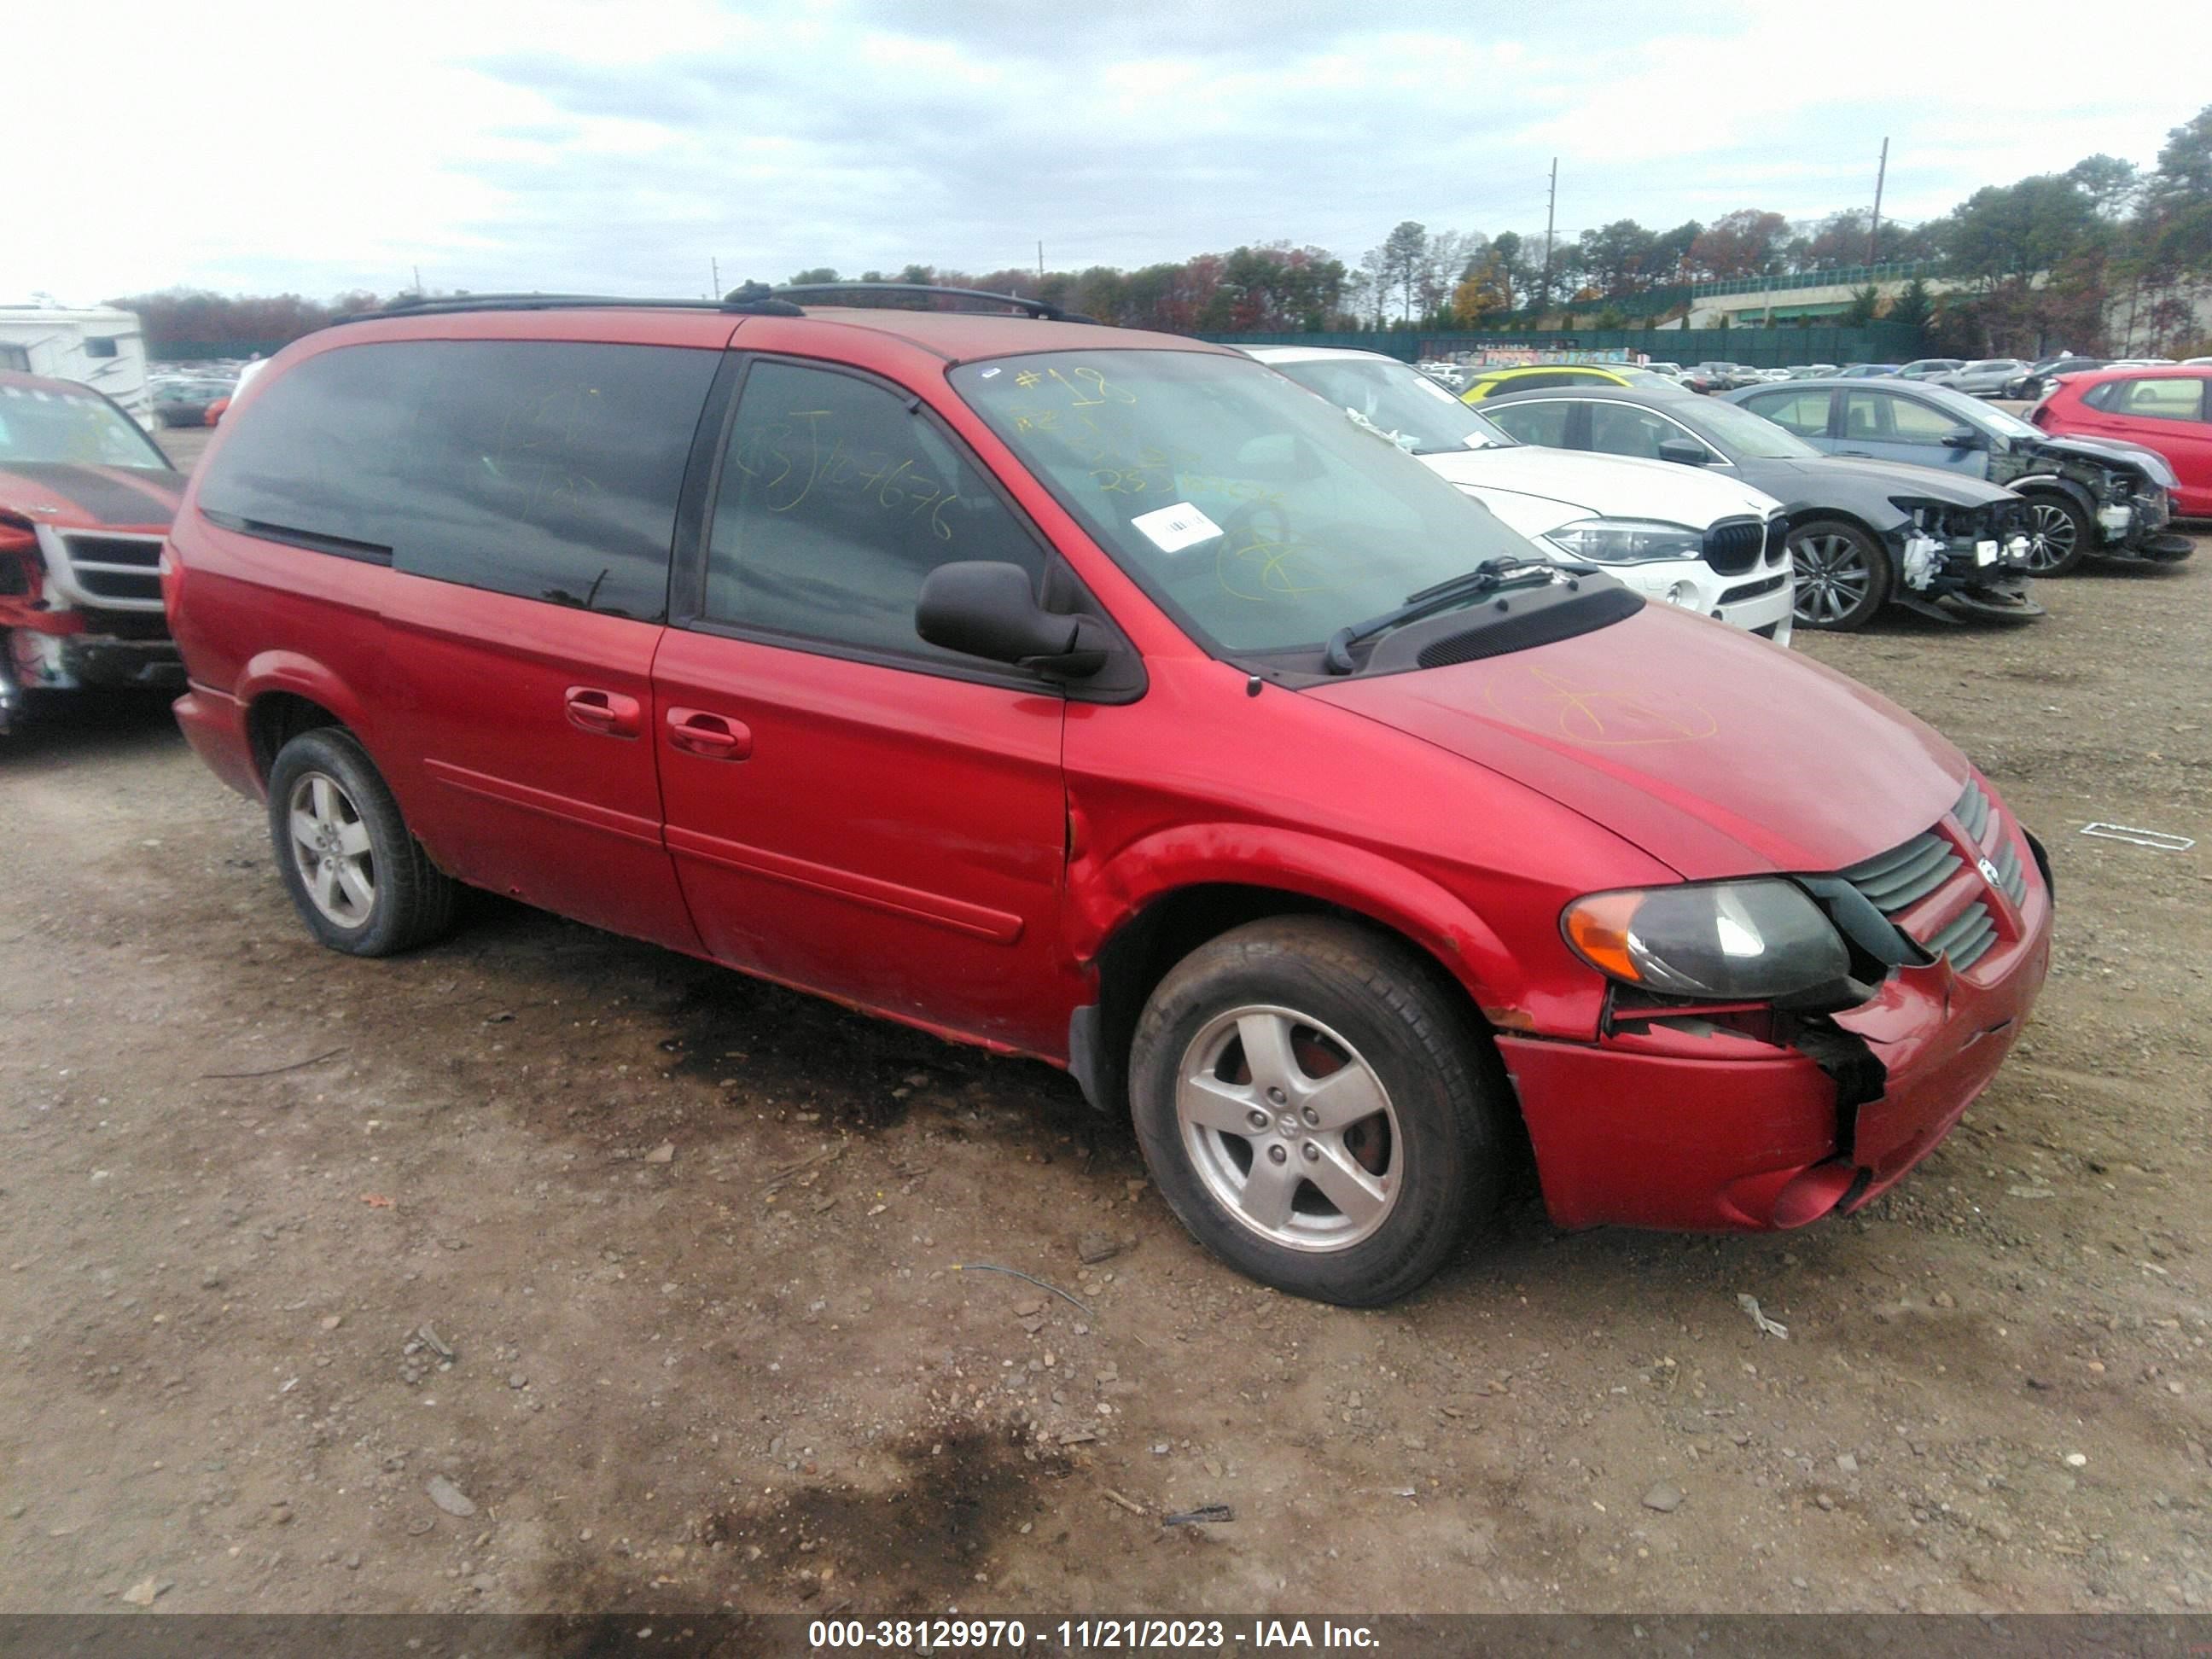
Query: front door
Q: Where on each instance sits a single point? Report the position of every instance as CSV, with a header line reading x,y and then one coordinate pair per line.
x,y
850,809
1890,427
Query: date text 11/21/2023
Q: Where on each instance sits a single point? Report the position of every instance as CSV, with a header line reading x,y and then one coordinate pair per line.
x,y
1086,1635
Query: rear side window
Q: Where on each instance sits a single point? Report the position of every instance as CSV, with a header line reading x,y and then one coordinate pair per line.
x,y
836,498
2169,398
1624,429
1544,423
544,469
1805,413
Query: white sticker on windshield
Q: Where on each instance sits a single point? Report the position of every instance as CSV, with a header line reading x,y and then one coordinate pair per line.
x,y
1172,529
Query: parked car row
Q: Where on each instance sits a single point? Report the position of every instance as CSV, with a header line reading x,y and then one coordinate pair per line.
x,y
1349,780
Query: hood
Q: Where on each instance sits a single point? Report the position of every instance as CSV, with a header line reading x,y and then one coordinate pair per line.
x,y
72,497
2107,451
1711,750
1796,478
1600,486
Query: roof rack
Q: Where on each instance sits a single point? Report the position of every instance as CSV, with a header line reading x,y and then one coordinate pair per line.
x,y
1041,309
754,304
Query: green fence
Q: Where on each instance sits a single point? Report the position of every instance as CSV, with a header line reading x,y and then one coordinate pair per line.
x,y
1781,347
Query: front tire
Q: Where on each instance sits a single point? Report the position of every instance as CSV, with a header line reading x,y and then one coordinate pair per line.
x,y
1844,575
2059,535
357,876
1314,1109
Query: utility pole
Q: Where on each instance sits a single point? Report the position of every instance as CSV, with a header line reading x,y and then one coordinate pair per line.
x,y
1874,230
417,269
715,267
1039,260
1551,204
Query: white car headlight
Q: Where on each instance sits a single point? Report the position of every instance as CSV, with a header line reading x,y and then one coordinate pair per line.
x,y
1626,541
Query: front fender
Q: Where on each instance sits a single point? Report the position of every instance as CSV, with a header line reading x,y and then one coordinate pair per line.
x,y
2055,483
1106,894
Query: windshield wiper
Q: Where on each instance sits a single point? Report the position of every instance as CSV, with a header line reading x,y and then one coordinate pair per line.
x,y
1489,577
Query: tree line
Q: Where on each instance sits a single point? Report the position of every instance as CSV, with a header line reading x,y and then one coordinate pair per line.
x,y
2040,257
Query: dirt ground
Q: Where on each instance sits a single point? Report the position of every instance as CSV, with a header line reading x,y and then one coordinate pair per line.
x,y
542,1270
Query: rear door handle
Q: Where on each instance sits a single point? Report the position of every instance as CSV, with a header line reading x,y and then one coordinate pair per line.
x,y
607,713
711,737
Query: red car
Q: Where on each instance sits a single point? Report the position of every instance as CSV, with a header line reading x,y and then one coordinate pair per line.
x,y
2168,409
1104,698
85,500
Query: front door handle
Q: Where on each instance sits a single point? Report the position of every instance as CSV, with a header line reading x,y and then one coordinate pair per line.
x,y
710,737
607,713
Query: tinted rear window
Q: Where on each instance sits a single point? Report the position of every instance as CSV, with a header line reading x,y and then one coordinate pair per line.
x,y
546,469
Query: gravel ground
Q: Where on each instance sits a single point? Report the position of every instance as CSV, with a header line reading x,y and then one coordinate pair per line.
x,y
543,1270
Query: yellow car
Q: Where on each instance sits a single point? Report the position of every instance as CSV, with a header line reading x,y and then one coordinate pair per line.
x,y
1534,377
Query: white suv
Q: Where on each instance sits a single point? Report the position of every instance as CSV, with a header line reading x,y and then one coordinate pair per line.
x,y
1703,542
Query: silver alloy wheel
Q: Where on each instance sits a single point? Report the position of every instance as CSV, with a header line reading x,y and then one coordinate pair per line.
x,y
1833,577
2051,536
330,849
1289,1129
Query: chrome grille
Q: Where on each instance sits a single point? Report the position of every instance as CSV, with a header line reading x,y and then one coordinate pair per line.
x,y
98,569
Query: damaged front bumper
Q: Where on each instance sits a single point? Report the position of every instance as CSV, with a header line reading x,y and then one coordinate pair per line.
x,y
2138,528
1965,562
1684,1122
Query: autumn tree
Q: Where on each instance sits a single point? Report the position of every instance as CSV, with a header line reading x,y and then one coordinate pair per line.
x,y
1740,243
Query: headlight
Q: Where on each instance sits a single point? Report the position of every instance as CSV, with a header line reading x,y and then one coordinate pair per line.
x,y
1729,941
1626,541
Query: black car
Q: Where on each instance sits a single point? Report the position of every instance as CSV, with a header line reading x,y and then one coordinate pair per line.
x,y
1861,533
2086,494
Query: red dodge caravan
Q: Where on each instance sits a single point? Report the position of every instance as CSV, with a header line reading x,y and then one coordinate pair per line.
x,y
1105,697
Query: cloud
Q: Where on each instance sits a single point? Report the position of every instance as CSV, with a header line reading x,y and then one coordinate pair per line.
x,y
565,144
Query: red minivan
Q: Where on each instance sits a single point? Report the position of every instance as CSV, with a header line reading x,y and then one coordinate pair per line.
x,y
2168,409
1101,696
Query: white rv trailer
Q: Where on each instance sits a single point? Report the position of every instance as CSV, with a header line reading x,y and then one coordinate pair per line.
x,y
98,346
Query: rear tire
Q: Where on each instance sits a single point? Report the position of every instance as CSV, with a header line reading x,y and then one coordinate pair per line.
x,y
2059,535
1844,575
357,876
1314,1109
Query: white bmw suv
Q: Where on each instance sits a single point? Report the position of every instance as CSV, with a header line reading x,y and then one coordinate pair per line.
x,y
1705,543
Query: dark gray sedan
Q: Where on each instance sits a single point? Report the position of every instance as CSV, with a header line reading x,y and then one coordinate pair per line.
x,y
2086,495
1861,533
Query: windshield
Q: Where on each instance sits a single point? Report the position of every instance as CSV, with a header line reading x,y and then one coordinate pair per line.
x,y
1638,376
80,429
1398,402
1255,513
1746,436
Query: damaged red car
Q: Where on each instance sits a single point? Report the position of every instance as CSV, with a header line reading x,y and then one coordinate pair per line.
x,y
85,500
1103,697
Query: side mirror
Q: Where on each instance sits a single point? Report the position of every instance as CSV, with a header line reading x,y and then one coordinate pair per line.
x,y
989,609
1968,439
1686,451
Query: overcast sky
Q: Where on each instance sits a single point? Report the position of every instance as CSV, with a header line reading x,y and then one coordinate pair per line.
x,y
619,146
